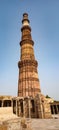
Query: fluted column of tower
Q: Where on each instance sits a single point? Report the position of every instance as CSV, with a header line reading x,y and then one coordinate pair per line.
x,y
28,83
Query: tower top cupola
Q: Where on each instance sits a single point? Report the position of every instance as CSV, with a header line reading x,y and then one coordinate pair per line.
x,y
25,21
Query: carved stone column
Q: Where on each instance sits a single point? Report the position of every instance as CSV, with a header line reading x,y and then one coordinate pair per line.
x,y
19,108
39,106
57,108
12,103
29,108
16,106
23,108
53,110
2,102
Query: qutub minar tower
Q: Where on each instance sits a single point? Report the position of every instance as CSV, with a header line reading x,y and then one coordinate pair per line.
x,y
29,101
28,84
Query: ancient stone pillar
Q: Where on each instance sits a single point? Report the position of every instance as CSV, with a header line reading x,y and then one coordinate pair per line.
x,y
19,108
39,106
29,108
56,109
23,108
2,102
16,106
53,110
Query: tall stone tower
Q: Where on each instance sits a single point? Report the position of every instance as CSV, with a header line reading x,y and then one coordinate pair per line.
x,y
28,83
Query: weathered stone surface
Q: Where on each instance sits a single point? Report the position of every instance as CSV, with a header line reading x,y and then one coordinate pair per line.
x,y
6,113
16,124
3,127
31,124
6,110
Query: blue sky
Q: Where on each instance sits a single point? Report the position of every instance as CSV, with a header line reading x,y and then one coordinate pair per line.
x,y
44,21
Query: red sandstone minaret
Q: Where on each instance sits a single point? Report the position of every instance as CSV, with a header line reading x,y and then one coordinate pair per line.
x,y
28,83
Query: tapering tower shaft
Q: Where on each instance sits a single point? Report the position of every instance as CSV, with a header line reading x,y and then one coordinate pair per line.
x,y
28,83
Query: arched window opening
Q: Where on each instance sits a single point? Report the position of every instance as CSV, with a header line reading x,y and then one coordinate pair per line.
x,y
7,103
51,109
21,105
0,103
55,109
14,106
33,106
58,108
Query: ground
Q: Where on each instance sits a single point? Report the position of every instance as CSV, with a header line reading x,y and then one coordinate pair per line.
x,y
33,124
45,124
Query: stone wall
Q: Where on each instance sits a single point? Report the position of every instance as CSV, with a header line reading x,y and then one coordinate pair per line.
x,y
47,110
6,113
6,110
